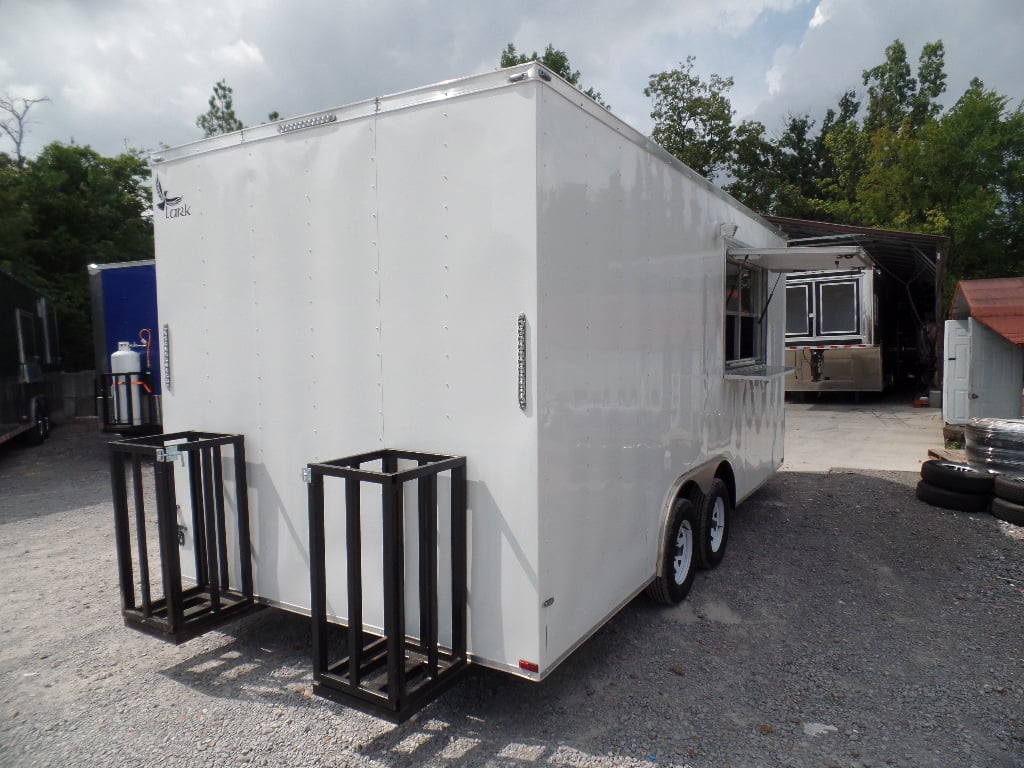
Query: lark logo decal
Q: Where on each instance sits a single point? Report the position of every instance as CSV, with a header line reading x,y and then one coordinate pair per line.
x,y
172,207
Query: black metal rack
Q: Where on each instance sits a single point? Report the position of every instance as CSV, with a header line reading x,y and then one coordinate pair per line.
x,y
128,403
181,612
392,675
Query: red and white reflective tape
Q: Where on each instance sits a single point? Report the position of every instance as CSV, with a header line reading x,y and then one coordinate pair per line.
x,y
833,346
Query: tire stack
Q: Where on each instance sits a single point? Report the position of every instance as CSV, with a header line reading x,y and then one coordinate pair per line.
x,y
996,445
1008,502
964,488
950,485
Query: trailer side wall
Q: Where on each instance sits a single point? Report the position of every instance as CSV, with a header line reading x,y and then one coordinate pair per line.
x,y
631,270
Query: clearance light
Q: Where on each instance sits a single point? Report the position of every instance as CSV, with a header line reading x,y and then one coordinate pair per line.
x,y
522,361
529,666
309,122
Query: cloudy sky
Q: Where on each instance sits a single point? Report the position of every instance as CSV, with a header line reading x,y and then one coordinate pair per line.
x,y
136,73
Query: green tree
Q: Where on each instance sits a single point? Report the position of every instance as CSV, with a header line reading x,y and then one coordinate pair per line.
x,y
554,59
972,159
220,117
894,95
801,158
891,89
15,218
693,118
931,83
753,164
65,209
906,164
842,150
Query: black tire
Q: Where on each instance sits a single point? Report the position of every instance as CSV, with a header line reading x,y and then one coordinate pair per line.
x,y
947,499
678,560
956,477
41,423
1009,488
1008,511
713,524
36,435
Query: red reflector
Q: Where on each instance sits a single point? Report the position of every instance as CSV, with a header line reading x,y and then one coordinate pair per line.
x,y
529,666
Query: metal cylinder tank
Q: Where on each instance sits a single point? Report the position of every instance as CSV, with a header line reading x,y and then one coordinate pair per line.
x,y
126,365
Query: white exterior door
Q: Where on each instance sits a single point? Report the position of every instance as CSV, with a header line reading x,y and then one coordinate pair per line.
x,y
982,374
995,377
956,379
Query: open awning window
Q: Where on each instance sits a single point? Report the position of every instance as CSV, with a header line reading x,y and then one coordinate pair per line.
x,y
804,257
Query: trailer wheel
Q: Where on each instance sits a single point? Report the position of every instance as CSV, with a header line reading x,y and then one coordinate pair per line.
x,y
1008,511
713,525
675,576
947,499
41,426
1009,488
956,477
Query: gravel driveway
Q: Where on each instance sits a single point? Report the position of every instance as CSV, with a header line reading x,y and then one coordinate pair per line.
x,y
850,625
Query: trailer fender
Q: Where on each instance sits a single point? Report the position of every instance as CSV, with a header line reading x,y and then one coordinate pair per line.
x,y
691,485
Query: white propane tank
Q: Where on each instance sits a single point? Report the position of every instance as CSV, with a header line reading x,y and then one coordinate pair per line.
x,y
126,365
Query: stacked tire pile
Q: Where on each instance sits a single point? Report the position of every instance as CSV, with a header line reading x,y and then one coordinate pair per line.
x,y
1008,502
997,445
993,480
955,486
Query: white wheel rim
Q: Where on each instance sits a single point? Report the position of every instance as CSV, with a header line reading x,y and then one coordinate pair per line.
x,y
684,553
717,532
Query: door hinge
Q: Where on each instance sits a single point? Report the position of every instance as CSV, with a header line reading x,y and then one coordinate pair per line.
x,y
169,453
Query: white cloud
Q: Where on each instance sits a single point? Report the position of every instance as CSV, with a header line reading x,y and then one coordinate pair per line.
x,y
239,53
91,92
24,91
845,37
774,76
821,14
114,74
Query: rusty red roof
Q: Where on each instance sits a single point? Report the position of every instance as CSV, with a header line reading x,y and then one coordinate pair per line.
x,y
997,304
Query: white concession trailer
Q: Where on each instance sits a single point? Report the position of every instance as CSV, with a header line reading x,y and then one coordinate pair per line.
x,y
461,371
833,334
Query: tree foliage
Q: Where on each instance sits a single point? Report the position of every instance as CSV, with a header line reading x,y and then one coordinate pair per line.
x,y
903,162
65,209
220,117
692,118
554,59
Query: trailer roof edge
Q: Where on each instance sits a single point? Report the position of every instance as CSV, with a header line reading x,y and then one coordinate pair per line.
x,y
509,77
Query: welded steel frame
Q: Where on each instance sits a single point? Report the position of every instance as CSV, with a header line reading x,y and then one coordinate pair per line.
x,y
394,675
115,388
181,613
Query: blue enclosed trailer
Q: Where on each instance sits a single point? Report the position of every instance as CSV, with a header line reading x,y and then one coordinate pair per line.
x,y
124,321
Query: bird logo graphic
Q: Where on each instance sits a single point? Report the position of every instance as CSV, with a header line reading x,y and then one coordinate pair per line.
x,y
165,201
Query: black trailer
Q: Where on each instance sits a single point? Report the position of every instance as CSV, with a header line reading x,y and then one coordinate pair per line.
x,y
28,360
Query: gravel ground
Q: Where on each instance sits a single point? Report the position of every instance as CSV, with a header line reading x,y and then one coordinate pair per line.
x,y
850,625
